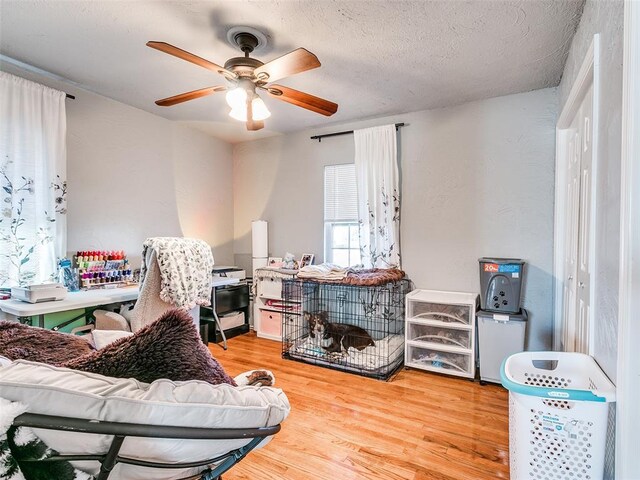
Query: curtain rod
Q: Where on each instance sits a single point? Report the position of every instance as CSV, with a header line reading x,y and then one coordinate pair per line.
x,y
38,71
346,132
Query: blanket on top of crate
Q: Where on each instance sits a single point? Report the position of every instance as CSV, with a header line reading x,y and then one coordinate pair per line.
x,y
364,277
372,358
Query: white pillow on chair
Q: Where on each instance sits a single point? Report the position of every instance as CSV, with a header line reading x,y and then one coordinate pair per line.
x,y
63,392
102,338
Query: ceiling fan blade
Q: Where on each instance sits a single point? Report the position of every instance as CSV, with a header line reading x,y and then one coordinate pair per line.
x,y
190,57
184,97
304,100
300,60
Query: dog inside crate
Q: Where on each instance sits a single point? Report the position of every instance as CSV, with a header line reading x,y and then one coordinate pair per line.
x,y
357,328
335,337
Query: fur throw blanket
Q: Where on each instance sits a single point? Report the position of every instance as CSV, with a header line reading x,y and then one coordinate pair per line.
x,y
20,443
373,276
328,273
39,345
185,270
168,348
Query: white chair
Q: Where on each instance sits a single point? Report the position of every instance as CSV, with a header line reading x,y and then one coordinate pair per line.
x,y
123,429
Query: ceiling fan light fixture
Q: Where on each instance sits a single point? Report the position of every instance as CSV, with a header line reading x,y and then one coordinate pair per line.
x,y
260,110
239,114
237,98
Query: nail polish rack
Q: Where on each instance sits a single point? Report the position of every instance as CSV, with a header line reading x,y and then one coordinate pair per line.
x,y
103,269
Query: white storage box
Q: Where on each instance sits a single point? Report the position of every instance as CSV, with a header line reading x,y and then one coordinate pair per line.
x,y
442,361
47,292
271,288
558,415
271,323
436,336
231,320
440,332
445,307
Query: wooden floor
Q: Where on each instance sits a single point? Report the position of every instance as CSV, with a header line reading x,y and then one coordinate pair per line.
x,y
417,426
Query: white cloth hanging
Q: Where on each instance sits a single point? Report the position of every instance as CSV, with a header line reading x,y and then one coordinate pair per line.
x,y
377,177
185,269
33,186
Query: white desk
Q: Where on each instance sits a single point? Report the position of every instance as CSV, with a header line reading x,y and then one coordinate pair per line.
x,y
87,299
75,300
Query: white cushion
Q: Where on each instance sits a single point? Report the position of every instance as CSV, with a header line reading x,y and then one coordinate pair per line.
x,y
102,338
69,393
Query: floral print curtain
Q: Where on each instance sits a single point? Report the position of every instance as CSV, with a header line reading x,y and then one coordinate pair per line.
x,y
377,177
33,187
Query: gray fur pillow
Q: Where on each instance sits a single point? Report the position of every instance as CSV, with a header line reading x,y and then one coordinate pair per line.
x,y
168,348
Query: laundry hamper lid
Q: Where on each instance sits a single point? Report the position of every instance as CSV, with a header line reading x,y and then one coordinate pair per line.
x,y
581,367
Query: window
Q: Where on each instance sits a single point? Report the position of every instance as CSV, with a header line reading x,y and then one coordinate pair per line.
x,y
341,242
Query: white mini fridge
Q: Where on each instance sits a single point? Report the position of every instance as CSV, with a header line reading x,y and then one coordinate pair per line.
x,y
499,336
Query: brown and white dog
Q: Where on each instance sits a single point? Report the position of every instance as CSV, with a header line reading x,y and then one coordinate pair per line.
x,y
336,337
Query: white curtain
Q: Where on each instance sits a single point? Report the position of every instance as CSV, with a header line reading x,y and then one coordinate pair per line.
x,y
33,186
378,196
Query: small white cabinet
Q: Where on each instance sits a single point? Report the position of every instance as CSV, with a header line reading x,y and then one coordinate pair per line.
x,y
440,333
269,302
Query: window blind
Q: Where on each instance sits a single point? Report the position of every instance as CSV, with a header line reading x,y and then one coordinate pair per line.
x,y
340,194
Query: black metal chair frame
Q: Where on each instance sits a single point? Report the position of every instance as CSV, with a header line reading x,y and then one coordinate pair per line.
x,y
120,431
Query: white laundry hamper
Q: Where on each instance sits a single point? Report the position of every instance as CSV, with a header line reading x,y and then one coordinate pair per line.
x,y
558,415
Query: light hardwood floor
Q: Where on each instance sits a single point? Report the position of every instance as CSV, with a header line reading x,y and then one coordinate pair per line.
x,y
417,426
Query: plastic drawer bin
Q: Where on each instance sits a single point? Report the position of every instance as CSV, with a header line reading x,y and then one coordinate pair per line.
x,y
558,415
436,335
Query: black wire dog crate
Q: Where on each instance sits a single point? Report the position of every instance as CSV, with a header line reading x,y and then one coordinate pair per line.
x,y
363,326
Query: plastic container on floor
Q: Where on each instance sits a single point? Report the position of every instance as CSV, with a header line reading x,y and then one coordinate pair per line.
x,y
558,415
499,335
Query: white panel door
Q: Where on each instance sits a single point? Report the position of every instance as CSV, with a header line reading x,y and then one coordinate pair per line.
x,y
571,235
576,291
584,267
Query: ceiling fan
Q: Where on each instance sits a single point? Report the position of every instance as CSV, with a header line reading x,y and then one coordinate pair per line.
x,y
246,75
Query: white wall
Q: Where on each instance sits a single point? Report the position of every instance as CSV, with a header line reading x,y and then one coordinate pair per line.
x,y
132,175
477,180
605,18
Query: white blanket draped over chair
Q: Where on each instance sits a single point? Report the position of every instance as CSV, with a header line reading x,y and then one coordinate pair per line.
x,y
185,270
176,272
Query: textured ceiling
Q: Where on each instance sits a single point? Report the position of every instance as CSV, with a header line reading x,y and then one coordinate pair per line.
x,y
378,57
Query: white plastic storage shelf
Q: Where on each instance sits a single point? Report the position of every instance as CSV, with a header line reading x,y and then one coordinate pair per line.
x,y
440,332
269,303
